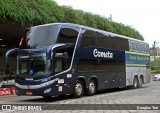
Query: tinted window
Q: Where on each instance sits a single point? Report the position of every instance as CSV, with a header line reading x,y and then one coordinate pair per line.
x,y
41,36
124,45
68,35
88,38
62,59
102,40
130,45
114,42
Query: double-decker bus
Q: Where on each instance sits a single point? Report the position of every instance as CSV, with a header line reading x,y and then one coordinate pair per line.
x,y
65,58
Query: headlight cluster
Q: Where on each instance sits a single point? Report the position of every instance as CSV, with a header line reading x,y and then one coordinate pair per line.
x,y
49,82
47,90
36,86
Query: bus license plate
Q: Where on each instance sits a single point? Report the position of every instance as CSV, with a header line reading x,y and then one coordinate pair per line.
x,y
28,93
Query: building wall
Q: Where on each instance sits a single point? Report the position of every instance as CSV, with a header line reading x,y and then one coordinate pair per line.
x,y
157,51
7,68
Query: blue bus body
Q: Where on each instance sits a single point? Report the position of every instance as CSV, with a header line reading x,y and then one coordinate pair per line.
x,y
69,64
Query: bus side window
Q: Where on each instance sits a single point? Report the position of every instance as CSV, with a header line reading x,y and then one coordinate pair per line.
x,y
61,59
88,39
135,48
141,48
146,48
124,44
114,42
102,40
68,35
130,45
138,47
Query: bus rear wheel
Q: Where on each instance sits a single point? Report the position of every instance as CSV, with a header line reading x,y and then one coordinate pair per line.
x,y
78,89
135,83
91,90
140,82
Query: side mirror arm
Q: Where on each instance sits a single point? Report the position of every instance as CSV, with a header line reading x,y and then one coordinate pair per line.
x,y
11,51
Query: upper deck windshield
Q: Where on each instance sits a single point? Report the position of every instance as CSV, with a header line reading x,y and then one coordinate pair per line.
x,y
36,64
40,36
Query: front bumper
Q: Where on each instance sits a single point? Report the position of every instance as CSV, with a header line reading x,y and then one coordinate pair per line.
x,y
44,91
48,88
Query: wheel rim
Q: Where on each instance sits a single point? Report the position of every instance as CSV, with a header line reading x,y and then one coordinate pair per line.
x,y
78,89
91,87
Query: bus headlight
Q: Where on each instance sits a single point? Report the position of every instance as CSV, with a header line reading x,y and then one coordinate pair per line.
x,y
47,90
49,82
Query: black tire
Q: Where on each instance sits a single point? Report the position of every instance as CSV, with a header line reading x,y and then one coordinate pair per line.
x,y
140,82
92,88
78,89
135,83
47,97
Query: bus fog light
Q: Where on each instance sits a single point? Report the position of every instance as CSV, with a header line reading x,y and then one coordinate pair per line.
x,y
47,90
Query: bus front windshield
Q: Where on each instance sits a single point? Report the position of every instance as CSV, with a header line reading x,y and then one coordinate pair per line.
x,y
34,65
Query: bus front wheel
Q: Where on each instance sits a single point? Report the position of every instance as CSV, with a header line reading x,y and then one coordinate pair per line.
x,y
78,89
91,90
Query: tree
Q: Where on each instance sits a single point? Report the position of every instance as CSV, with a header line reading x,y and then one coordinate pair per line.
x,y
156,64
34,12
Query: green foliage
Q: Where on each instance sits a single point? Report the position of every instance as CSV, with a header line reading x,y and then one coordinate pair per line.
x,y
156,64
34,12
28,11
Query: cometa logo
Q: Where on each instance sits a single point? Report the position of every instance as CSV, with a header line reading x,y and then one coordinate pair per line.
x,y
97,53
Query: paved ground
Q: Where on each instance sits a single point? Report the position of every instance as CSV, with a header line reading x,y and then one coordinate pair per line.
x,y
149,94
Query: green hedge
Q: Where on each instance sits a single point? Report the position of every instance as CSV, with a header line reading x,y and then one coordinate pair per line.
x,y
35,12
